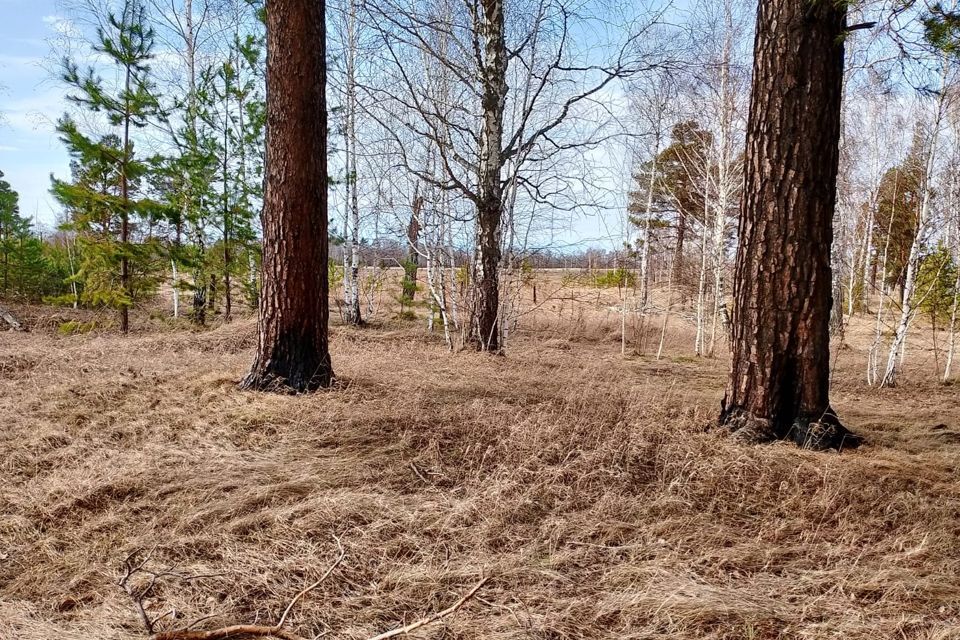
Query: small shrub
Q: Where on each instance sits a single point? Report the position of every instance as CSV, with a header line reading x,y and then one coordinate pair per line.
x,y
620,277
74,327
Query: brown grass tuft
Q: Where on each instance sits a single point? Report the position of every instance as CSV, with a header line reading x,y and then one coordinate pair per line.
x,y
587,486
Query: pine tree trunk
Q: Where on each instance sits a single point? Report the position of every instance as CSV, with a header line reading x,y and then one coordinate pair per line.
x,y
292,351
176,288
6,260
676,273
645,227
199,288
227,258
125,280
780,371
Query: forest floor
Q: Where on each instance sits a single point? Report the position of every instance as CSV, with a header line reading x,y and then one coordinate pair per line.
x,y
587,486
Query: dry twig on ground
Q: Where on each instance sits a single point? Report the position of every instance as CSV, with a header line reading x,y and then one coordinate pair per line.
x,y
222,633
422,622
133,568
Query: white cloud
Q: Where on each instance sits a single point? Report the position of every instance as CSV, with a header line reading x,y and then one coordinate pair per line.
x,y
36,112
61,25
17,61
8,148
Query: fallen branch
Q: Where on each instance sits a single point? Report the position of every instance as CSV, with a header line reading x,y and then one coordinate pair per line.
x,y
133,568
432,618
222,633
225,633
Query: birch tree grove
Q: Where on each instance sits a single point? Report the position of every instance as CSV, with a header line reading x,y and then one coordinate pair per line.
x,y
485,139
470,138
931,142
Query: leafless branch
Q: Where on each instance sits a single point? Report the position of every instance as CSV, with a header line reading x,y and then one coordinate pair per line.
x,y
400,631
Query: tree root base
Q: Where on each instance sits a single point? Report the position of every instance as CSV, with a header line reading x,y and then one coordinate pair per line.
x,y
272,383
820,434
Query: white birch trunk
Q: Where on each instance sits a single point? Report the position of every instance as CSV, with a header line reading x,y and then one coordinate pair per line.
x,y
895,359
952,340
176,289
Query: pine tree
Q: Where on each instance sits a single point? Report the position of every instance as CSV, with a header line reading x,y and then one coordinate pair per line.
x,y
25,271
10,225
116,266
234,112
780,370
292,347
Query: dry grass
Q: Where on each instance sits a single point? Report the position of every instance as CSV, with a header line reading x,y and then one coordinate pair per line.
x,y
584,484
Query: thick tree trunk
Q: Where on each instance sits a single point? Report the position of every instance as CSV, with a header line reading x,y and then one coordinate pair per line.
x,y
292,350
486,334
780,371
486,278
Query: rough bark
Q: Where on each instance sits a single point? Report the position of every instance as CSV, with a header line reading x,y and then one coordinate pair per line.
x,y
176,288
292,351
227,257
676,272
486,336
780,370
199,315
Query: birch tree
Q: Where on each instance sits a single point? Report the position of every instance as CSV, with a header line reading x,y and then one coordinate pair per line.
x,y
940,104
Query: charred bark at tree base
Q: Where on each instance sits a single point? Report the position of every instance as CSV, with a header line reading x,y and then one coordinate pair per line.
x,y
292,349
779,385
294,367
819,433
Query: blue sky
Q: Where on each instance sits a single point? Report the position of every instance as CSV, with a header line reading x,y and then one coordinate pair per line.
x,y
30,102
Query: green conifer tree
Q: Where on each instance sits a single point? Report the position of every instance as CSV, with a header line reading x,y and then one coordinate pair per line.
x,y
106,201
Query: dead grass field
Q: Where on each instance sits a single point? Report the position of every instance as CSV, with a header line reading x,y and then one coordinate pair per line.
x,y
586,485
